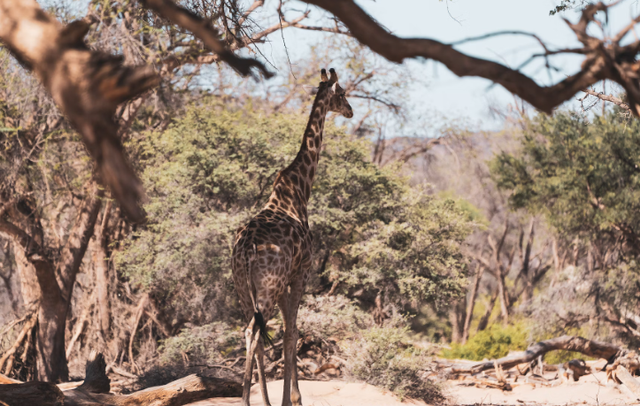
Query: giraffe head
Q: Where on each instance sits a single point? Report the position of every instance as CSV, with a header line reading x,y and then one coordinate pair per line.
x,y
337,100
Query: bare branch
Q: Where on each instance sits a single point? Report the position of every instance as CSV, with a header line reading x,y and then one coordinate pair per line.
x,y
251,9
202,29
608,98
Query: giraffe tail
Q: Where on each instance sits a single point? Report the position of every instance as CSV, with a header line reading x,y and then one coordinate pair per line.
x,y
262,324
257,315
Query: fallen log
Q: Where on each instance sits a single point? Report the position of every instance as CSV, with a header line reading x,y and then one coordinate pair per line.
x,y
94,391
31,393
596,349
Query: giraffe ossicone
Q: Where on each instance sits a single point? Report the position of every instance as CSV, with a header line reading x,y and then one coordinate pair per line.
x,y
272,254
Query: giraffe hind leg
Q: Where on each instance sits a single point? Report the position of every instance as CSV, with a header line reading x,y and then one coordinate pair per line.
x,y
261,375
252,337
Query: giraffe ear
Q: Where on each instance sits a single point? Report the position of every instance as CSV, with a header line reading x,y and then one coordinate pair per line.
x,y
334,87
334,75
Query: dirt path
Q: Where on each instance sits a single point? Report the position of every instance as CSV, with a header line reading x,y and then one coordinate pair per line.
x,y
315,393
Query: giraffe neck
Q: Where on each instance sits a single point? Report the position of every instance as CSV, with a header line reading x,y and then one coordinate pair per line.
x,y
292,187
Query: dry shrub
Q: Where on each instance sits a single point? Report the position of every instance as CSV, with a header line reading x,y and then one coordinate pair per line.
x,y
381,357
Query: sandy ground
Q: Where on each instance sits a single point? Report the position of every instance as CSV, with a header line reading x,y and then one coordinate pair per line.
x,y
315,393
590,390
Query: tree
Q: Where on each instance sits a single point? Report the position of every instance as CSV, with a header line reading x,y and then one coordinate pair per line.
x,y
373,233
48,211
89,99
583,178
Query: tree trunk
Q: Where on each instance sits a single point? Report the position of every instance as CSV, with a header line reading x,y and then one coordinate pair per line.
x,y
504,298
102,269
484,321
527,293
471,304
456,323
55,280
29,288
51,360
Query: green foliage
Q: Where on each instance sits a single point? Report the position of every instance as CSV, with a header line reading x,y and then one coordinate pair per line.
x,y
491,343
210,342
331,316
382,358
583,176
213,168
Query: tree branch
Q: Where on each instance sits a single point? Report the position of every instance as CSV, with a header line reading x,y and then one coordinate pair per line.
x,y
608,98
202,29
73,253
604,60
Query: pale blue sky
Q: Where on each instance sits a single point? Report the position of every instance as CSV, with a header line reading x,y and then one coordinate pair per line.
x,y
452,20
470,97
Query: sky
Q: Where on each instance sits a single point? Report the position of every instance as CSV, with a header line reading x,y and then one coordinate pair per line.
x,y
447,95
453,20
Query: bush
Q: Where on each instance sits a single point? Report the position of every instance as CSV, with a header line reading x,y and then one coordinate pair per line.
x,y
331,316
381,358
199,345
494,342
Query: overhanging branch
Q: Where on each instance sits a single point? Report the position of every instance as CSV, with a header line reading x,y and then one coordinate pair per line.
x,y
605,58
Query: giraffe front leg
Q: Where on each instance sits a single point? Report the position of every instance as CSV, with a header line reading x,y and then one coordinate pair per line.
x,y
261,376
289,359
296,295
296,398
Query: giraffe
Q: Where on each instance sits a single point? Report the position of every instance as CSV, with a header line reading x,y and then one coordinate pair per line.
x,y
271,258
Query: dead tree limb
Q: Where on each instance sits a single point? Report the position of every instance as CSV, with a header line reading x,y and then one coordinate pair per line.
x,y
139,310
590,348
31,393
94,391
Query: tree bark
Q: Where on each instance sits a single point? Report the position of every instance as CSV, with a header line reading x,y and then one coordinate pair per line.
x,y
504,298
590,348
527,293
456,323
484,321
472,302
31,394
102,269
628,380
54,288
55,302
